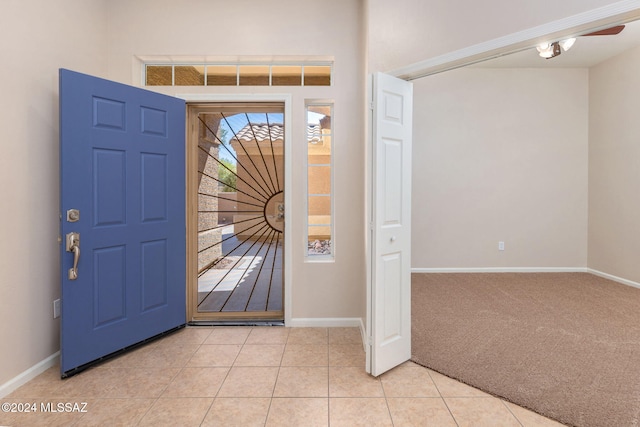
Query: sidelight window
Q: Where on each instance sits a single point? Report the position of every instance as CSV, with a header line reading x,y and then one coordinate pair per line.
x,y
319,140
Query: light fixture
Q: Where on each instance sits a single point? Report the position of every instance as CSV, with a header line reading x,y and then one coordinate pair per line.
x,y
545,50
566,44
551,50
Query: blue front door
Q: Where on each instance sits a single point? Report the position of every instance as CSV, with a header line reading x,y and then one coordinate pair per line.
x,y
122,195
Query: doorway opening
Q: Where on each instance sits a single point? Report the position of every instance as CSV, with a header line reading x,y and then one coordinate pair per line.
x,y
236,212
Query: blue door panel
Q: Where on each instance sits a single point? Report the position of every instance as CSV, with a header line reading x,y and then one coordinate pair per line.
x,y
155,179
109,114
154,275
122,165
153,121
109,187
109,285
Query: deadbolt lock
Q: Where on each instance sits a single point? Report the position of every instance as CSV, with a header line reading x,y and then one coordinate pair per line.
x,y
73,215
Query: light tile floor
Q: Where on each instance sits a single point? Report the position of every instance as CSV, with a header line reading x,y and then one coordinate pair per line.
x,y
244,376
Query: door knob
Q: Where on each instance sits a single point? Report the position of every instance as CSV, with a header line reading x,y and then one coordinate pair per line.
x,y
392,239
73,245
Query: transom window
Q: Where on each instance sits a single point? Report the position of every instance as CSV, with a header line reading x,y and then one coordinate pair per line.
x,y
238,74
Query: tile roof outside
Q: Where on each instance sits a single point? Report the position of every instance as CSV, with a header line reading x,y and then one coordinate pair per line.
x,y
274,131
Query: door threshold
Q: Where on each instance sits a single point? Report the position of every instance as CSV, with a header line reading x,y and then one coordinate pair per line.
x,y
237,323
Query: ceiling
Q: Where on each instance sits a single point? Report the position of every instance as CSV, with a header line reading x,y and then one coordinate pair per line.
x,y
585,53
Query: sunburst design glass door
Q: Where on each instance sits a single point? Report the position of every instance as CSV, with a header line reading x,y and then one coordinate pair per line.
x,y
240,212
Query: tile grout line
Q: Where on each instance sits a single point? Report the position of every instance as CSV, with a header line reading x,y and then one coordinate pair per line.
x,y
185,365
170,381
228,371
442,397
386,402
221,383
328,360
160,394
511,412
276,381
334,367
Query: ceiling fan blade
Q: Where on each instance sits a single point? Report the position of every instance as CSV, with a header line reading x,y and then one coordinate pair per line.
x,y
607,31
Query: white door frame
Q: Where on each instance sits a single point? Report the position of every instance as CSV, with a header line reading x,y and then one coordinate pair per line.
x,y
288,195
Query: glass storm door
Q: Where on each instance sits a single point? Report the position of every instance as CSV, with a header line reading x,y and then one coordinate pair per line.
x,y
122,201
238,149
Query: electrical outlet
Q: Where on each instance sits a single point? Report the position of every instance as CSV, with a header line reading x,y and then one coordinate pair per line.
x,y
56,309
501,246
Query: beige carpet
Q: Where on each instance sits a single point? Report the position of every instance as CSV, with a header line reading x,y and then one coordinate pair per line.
x,y
565,345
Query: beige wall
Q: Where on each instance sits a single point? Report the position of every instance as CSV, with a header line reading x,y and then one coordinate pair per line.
x,y
36,38
614,166
287,27
500,155
402,32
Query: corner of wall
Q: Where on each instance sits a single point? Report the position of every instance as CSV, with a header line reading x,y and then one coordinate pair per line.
x,y
28,375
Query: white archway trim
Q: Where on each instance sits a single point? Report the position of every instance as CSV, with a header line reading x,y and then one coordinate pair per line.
x,y
583,23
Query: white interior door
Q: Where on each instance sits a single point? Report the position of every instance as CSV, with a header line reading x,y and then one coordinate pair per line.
x,y
390,294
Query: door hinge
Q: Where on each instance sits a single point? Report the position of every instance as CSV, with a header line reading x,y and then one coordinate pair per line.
x,y
371,105
369,341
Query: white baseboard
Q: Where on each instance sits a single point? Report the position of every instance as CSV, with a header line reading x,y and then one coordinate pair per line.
x,y
28,375
529,270
332,322
614,278
503,270
326,322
